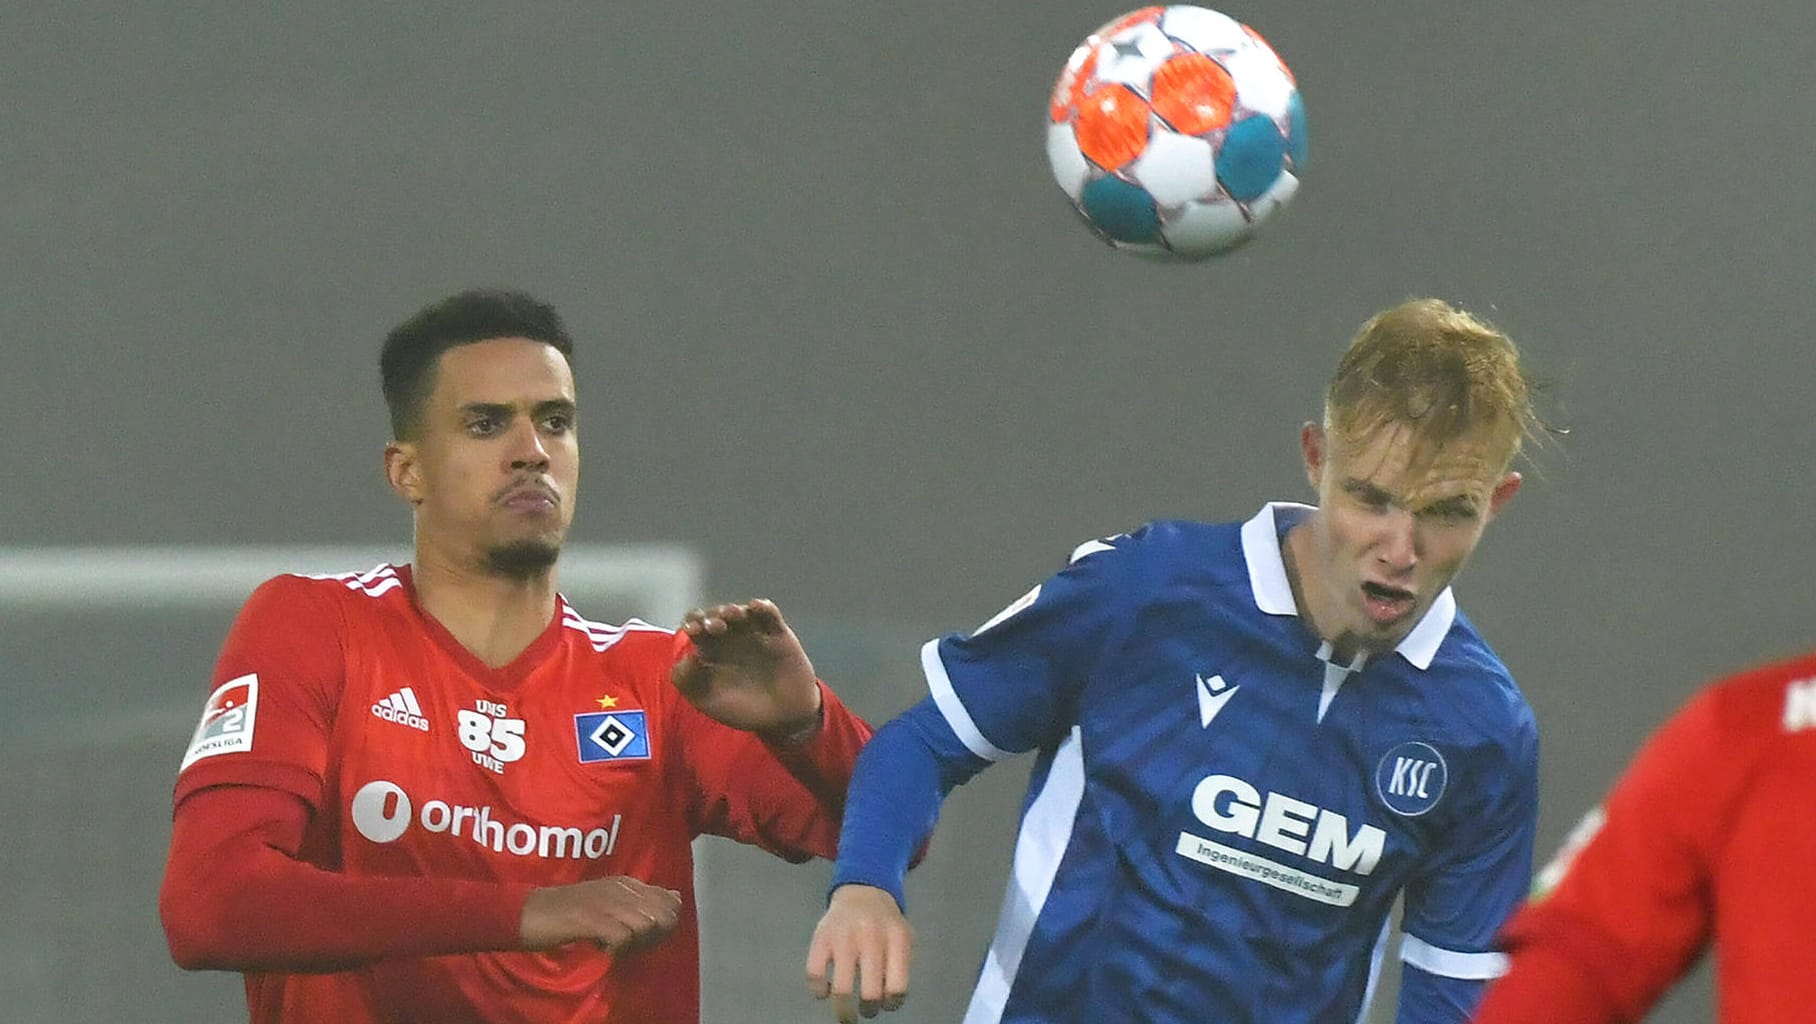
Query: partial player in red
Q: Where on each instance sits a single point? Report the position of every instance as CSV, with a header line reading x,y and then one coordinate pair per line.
x,y
1706,841
445,757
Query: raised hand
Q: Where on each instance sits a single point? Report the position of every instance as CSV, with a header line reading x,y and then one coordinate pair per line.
x,y
618,913
747,670
861,952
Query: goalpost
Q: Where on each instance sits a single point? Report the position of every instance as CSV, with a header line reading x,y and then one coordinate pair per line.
x,y
654,582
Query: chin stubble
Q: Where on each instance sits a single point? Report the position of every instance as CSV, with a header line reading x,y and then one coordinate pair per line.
x,y
522,559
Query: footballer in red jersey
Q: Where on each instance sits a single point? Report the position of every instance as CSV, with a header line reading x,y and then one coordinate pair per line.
x,y
1706,841
438,792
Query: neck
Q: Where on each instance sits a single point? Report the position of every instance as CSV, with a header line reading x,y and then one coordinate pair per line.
x,y
1298,553
495,617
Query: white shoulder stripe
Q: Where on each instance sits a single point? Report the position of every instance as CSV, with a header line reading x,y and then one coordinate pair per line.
x,y
380,571
1449,963
1090,547
375,572
602,635
939,684
374,582
572,619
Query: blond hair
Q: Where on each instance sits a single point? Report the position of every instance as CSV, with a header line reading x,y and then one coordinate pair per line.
x,y
1439,371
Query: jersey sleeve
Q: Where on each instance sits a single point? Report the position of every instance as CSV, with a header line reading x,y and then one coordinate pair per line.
x,y
902,776
273,697
1631,908
1455,906
1011,685
236,896
787,800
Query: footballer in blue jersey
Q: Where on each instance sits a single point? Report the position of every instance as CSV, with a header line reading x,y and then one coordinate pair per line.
x,y
1251,738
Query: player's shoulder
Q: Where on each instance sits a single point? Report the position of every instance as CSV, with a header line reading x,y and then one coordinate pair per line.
x,y
1172,547
342,592
1771,701
631,640
1164,562
1480,689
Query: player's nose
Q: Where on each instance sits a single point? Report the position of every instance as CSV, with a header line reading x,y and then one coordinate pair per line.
x,y
527,450
1397,548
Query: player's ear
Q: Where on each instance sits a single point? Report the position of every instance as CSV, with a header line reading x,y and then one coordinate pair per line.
x,y
403,470
1503,493
1312,445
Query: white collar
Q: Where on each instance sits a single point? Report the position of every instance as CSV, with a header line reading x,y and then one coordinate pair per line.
x,y
1274,592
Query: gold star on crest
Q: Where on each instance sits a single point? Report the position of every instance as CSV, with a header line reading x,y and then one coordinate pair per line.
x,y
607,702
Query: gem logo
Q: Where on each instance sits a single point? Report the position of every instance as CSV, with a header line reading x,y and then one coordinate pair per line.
x,y
1411,778
1236,807
612,736
227,720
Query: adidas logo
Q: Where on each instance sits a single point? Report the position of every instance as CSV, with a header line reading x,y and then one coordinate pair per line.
x,y
401,707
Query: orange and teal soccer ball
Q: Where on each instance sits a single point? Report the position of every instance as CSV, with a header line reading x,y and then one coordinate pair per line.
x,y
1176,132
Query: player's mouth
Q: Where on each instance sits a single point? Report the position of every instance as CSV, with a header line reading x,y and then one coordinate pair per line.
x,y
529,498
1386,604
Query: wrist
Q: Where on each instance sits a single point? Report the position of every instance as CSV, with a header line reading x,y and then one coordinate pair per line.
x,y
796,733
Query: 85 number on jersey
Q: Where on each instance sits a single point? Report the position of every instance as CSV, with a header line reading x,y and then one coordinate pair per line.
x,y
493,738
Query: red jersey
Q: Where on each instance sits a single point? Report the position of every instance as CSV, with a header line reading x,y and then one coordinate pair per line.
x,y
1709,836
578,760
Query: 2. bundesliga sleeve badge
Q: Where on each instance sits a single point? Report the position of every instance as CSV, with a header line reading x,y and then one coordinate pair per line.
x,y
227,720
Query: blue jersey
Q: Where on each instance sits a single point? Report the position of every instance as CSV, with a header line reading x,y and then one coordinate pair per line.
x,y
1220,818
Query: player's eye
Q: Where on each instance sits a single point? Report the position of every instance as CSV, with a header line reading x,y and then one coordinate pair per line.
x,y
558,423
483,426
1451,513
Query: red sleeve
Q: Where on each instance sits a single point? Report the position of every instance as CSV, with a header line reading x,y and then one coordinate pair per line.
x,y
825,761
235,896
787,800
1633,908
276,689
1546,984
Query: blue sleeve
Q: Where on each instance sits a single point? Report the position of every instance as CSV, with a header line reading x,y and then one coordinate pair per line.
x,y
1012,685
1455,907
1008,687
1427,998
901,777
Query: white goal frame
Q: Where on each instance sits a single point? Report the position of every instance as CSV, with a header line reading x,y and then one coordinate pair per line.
x,y
658,582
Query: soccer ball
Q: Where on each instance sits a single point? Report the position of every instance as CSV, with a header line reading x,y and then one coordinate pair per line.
x,y
1176,132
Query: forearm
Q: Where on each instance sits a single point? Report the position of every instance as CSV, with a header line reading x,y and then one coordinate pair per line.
x,y
823,760
236,898
896,790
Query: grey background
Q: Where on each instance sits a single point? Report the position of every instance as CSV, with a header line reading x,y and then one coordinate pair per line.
x,y
840,332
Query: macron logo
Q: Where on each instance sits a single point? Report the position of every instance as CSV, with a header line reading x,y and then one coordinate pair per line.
x,y
1213,694
401,707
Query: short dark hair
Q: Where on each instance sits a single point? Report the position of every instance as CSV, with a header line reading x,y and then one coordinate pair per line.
x,y
406,365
